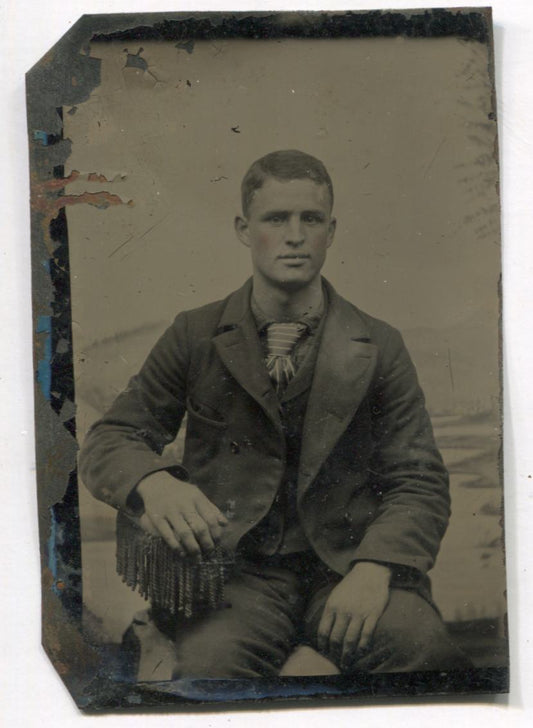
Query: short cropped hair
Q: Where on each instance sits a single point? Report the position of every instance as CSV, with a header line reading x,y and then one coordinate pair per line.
x,y
284,165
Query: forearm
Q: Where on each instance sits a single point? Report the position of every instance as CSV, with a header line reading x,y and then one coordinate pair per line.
x,y
406,471
114,460
127,444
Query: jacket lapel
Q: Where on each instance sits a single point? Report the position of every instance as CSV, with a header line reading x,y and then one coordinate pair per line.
x,y
344,368
238,346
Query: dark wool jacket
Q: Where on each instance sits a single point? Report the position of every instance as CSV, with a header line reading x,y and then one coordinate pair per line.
x,y
371,483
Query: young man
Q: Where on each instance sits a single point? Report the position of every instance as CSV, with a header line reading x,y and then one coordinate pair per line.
x,y
308,453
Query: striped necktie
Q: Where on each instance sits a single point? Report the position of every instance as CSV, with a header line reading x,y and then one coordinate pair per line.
x,y
281,339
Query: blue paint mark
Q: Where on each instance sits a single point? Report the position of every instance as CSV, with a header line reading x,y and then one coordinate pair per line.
x,y
52,556
44,366
41,136
237,689
46,264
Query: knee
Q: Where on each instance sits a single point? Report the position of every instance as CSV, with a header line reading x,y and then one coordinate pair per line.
x,y
422,644
410,640
410,636
206,659
222,657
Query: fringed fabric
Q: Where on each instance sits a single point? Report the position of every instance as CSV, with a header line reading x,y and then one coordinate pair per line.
x,y
180,585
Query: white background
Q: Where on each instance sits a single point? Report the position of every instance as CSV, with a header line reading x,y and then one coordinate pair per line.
x,y
31,693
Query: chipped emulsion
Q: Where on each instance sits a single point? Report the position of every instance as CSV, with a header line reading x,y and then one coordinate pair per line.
x,y
135,60
49,91
46,201
64,79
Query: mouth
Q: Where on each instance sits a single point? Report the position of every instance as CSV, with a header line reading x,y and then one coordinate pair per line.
x,y
294,260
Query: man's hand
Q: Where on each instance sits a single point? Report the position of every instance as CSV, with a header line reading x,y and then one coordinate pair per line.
x,y
181,514
352,611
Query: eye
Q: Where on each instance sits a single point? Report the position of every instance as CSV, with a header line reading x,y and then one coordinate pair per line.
x,y
312,218
276,218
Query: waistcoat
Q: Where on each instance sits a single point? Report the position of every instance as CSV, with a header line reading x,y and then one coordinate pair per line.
x,y
280,531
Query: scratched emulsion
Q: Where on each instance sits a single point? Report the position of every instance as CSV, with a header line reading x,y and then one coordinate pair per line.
x,y
406,128
137,150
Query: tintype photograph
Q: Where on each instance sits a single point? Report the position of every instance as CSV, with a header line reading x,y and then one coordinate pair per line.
x,y
266,295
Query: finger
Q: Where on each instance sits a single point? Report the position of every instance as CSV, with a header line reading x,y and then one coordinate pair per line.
x,y
351,641
367,632
215,530
184,535
210,512
201,531
324,629
336,637
164,529
146,524
211,515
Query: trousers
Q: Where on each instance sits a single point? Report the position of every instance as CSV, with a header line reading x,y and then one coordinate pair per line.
x,y
272,607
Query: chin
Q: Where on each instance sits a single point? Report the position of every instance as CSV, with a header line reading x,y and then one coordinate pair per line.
x,y
294,283
288,280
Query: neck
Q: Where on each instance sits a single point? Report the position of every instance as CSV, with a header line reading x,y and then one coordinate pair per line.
x,y
285,305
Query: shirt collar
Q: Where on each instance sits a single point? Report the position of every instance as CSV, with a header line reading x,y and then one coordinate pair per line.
x,y
311,320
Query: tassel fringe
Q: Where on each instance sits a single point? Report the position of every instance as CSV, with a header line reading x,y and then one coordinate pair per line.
x,y
146,563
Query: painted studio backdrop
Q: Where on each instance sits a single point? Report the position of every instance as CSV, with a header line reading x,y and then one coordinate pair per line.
x,y
405,127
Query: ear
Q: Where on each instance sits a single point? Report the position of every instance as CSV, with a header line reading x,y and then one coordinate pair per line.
x,y
331,230
241,228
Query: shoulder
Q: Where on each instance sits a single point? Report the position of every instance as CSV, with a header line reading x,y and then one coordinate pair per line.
x,y
206,316
379,331
395,372
206,321
368,327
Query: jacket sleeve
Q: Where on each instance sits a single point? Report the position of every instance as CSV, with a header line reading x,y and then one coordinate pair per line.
x,y
127,444
406,469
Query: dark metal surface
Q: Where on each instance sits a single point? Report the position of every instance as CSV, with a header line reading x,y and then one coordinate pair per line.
x,y
65,76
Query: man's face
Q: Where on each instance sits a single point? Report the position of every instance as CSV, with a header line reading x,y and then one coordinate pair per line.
x,y
288,230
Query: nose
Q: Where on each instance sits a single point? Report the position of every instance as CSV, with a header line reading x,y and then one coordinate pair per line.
x,y
295,231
